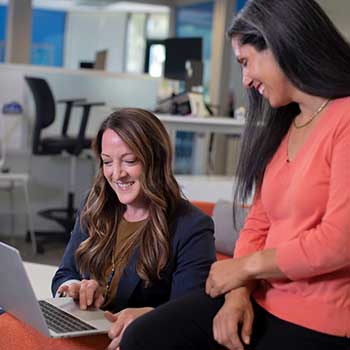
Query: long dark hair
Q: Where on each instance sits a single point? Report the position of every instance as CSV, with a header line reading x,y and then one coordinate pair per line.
x,y
148,139
313,55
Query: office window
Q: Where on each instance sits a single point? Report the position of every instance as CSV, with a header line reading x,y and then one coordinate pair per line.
x,y
157,29
135,42
140,28
156,60
193,21
196,21
157,26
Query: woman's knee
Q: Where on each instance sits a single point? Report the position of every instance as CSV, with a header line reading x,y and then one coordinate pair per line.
x,y
135,336
128,341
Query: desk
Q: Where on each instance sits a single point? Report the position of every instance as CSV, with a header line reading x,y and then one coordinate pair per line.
x,y
15,335
40,276
220,125
203,127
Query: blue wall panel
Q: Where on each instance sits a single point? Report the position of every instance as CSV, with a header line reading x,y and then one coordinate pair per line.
x,y
3,15
240,4
48,37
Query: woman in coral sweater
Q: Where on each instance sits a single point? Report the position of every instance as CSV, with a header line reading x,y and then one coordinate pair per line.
x,y
288,286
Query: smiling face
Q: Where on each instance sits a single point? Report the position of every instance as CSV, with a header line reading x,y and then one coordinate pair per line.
x,y
122,170
260,71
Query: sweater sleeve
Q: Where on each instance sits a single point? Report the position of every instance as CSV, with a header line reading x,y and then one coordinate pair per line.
x,y
253,235
68,269
326,247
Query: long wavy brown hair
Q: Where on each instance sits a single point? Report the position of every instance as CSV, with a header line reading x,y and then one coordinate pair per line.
x,y
149,141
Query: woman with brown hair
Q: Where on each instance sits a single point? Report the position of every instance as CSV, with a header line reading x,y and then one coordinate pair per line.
x,y
288,285
136,243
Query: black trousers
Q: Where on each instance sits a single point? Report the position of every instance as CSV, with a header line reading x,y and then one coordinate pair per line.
x,y
186,324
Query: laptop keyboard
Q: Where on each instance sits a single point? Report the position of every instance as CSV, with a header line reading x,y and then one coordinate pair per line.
x,y
60,321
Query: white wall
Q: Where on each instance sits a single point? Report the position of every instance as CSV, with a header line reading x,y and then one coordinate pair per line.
x,y
88,32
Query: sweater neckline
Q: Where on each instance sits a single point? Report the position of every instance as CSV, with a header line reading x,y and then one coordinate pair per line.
x,y
303,148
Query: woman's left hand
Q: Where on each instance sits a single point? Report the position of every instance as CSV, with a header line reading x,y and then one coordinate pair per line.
x,y
121,321
226,275
230,274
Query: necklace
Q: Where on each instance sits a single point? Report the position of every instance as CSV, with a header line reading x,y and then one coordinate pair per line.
x,y
110,278
314,115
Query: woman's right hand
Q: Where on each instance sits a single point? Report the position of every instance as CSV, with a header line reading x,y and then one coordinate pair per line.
x,y
88,292
236,311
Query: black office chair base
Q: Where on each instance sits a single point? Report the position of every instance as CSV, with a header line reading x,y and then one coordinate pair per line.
x,y
64,217
45,237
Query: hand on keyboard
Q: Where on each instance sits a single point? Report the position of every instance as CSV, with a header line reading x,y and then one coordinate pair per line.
x,y
88,292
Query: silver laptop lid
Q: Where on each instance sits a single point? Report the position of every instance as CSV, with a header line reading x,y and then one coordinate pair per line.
x,y
17,297
16,294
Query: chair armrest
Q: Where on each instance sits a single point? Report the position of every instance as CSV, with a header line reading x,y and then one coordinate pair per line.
x,y
69,104
71,100
83,124
91,104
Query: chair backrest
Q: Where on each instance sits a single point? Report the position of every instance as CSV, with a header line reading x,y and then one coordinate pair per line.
x,y
45,109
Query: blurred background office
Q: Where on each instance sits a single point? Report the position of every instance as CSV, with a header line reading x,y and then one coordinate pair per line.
x,y
167,56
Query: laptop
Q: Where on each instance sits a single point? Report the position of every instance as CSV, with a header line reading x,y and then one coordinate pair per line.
x,y
54,317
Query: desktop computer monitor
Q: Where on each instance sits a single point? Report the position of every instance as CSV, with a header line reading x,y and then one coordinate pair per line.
x,y
86,64
177,52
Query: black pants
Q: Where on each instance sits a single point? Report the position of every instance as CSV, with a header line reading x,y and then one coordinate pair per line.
x,y
186,324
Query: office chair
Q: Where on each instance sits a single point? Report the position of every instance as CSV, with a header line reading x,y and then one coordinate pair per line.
x,y
44,116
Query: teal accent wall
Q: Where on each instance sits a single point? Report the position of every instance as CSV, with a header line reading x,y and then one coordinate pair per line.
x,y
47,36
3,21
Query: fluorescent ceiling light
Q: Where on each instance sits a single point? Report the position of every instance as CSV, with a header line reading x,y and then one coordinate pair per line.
x,y
93,5
130,6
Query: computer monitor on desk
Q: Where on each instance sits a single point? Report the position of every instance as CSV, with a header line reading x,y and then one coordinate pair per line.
x,y
178,51
86,64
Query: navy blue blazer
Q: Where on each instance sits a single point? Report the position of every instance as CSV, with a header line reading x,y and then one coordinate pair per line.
x,y
192,253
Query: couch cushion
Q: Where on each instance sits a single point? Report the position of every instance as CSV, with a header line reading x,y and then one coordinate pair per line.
x,y
226,234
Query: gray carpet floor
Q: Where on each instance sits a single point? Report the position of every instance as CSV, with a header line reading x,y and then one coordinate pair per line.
x,y
52,254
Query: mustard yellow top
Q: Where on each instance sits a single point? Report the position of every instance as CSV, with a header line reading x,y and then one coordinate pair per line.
x,y
124,232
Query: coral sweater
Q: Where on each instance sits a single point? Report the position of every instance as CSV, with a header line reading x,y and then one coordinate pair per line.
x,y
303,211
